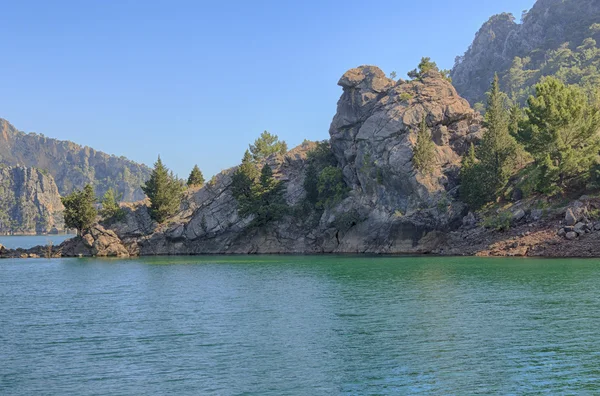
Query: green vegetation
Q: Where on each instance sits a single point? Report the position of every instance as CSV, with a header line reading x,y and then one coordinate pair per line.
x,y
405,97
323,181
80,212
561,132
331,187
258,195
196,178
266,145
111,211
426,65
424,151
486,171
499,221
164,191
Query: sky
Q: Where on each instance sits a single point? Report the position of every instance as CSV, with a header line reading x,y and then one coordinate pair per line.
x,y
197,81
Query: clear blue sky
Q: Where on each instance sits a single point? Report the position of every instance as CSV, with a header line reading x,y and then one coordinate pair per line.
x,y
196,81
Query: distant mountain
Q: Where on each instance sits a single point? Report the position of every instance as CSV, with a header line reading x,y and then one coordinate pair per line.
x,y
72,166
29,201
556,37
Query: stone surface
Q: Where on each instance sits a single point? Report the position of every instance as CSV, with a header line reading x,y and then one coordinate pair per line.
x,y
571,235
570,218
98,241
29,201
518,215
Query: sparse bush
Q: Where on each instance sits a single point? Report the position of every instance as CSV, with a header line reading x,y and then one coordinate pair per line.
x,y
499,221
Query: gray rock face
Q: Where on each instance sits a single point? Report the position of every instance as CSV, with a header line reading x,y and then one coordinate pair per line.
x,y
549,24
374,132
29,202
71,165
391,208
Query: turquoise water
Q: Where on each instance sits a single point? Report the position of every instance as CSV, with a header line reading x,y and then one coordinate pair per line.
x,y
29,241
299,326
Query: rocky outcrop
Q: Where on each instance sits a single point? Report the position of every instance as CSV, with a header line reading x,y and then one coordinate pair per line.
x,y
72,166
96,242
374,132
391,208
549,25
29,202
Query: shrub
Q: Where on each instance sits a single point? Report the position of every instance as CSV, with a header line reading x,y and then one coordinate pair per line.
x,y
331,186
499,221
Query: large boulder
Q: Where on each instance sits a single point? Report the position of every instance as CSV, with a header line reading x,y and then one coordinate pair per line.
x,y
97,241
374,132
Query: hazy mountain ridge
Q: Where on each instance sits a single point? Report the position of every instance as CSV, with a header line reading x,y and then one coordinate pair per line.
x,y
555,37
72,166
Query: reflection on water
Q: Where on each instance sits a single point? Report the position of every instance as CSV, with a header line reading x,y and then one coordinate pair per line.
x,y
299,326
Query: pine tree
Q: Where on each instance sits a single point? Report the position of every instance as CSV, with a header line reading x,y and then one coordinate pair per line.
x,y
164,191
498,151
196,178
424,151
424,67
311,179
110,206
562,131
242,183
80,212
271,204
470,185
266,145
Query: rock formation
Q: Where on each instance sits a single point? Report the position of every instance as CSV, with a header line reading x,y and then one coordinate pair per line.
x,y
391,207
549,25
72,166
29,201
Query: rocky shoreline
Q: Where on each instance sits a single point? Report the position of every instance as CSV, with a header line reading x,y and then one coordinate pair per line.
x,y
389,208
530,235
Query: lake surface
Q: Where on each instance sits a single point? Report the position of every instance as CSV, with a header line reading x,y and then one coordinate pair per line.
x,y
29,241
296,325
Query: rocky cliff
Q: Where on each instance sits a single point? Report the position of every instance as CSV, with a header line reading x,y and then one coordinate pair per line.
x,y
29,201
551,36
391,207
72,166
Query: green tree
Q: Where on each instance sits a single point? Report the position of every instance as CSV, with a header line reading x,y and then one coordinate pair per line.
x,y
266,145
470,184
242,183
331,186
196,178
311,179
80,212
424,151
110,205
164,191
562,132
424,67
270,201
499,154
